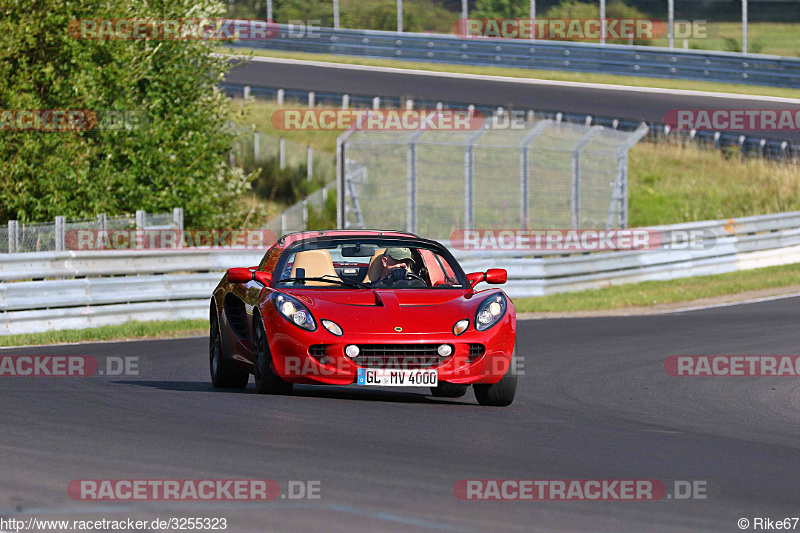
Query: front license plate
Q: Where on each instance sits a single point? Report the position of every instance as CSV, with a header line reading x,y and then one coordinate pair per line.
x,y
398,378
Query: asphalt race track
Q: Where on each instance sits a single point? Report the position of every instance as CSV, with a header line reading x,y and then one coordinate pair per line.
x,y
618,102
594,403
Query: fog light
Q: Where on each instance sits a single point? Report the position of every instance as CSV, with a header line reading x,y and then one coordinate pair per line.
x,y
444,350
351,350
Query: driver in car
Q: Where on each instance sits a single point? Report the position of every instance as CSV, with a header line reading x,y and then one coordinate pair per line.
x,y
396,270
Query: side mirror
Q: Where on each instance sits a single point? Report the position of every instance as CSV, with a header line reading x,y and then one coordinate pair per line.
x,y
239,275
263,278
494,276
243,275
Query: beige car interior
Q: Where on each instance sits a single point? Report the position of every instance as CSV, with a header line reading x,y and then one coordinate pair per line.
x,y
317,263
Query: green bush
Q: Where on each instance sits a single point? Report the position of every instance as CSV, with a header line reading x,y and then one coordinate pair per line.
x,y
175,159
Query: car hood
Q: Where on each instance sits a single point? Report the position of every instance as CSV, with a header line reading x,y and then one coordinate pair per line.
x,y
384,310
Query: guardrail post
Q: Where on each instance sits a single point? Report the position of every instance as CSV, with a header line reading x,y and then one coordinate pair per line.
x,y
283,223
345,101
102,221
59,233
13,236
282,153
140,219
305,213
376,102
281,96
309,161
246,92
312,98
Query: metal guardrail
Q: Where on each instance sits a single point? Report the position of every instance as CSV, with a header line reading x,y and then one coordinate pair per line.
x,y
725,67
170,284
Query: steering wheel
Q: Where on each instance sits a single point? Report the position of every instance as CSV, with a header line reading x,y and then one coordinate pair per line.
x,y
411,275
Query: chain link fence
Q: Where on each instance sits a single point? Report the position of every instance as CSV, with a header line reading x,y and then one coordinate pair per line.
x,y
253,149
534,175
309,213
16,237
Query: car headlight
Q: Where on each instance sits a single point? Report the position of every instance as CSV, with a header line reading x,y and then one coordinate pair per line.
x,y
294,311
490,312
460,327
332,326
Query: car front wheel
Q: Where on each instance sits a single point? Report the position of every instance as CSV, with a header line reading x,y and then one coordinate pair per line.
x,y
500,394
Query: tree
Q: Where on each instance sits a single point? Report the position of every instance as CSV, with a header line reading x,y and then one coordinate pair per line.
x,y
174,157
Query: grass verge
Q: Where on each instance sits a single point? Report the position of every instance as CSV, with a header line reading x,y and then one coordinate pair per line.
x,y
651,293
127,331
555,75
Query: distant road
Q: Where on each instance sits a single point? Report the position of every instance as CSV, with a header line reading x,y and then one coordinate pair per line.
x,y
633,103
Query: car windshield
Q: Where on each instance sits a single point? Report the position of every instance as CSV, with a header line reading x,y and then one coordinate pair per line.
x,y
367,263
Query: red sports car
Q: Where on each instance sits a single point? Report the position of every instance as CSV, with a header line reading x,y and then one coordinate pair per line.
x,y
372,308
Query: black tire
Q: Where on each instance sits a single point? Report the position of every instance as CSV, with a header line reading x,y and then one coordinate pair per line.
x,y
500,394
449,390
224,373
267,382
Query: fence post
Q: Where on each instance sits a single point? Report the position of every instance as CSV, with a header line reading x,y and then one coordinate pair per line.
x,y
283,223
399,16
13,236
576,174
140,219
345,101
411,182
376,102
246,92
177,217
281,96
256,146
469,177
312,98
310,161
282,152
102,221
305,213
59,234
336,14
524,170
